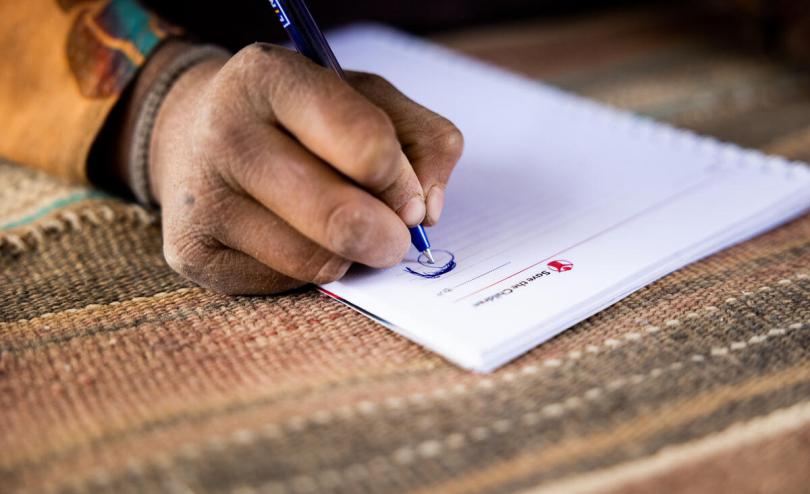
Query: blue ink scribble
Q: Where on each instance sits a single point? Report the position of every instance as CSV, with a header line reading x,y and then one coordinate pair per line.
x,y
435,270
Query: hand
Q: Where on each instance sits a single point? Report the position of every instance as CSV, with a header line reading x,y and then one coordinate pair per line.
x,y
272,172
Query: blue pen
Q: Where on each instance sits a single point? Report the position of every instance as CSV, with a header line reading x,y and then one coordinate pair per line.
x,y
310,41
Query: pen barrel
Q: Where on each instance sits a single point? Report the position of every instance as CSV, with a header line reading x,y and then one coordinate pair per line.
x,y
302,29
419,238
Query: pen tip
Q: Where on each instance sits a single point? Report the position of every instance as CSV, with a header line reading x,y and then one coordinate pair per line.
x,y
430,256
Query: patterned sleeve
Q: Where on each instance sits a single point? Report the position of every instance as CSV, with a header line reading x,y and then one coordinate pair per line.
x,y
63,65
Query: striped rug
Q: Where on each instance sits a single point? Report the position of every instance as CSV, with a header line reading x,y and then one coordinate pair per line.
x,y
116,375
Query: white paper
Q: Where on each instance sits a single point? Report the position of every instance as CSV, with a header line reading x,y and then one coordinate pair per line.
x,y
617,200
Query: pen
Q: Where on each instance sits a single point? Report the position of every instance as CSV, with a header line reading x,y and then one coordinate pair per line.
x,y
310,42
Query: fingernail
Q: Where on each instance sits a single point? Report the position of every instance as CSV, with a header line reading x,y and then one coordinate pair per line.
x,y
435,203
413,212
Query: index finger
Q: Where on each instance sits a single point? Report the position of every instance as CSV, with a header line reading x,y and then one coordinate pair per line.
x,y
336,123
431,142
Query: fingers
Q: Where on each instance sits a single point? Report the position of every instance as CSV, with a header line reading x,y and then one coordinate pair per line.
x,y
262,235
315,200
224,270
316,174
231,244
333,121
431,142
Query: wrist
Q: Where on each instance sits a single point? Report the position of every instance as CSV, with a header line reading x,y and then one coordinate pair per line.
x,y
171,80
172,120
109,160
127,138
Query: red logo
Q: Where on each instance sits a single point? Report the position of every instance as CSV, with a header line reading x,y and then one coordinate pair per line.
x,y
561,265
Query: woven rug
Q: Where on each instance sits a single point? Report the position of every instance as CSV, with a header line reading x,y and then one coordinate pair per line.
x,y
116,375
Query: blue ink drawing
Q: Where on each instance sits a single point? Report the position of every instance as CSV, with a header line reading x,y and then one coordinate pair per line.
x,y
446,262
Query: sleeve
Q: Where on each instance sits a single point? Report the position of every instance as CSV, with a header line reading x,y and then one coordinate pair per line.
x,y
63,66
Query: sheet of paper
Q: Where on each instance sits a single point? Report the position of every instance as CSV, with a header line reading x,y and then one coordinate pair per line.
x,y
558,208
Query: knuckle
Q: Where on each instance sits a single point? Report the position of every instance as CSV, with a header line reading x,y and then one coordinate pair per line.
x,y
378,152
366,117
348,229
186,255
449,140
367,80
252,73
174,255
258,54
196,260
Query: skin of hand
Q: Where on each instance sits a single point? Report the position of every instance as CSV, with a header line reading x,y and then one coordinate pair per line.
x,y
272,172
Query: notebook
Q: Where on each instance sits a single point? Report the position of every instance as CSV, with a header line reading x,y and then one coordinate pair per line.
x,y
559,207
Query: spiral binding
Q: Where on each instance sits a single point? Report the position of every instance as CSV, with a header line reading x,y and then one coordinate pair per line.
x,y
568,105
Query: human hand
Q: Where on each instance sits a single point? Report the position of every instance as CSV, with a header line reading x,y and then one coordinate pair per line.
x,y
272,172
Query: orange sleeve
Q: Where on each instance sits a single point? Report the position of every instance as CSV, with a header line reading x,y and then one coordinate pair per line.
x,y
63,65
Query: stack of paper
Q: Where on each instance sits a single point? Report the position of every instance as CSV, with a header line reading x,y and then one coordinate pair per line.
x,y
559,207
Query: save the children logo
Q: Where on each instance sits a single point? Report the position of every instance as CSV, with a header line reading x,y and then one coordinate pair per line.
x,y
555,266
560,265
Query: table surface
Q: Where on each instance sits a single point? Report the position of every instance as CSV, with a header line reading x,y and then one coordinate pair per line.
x,y
118,375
